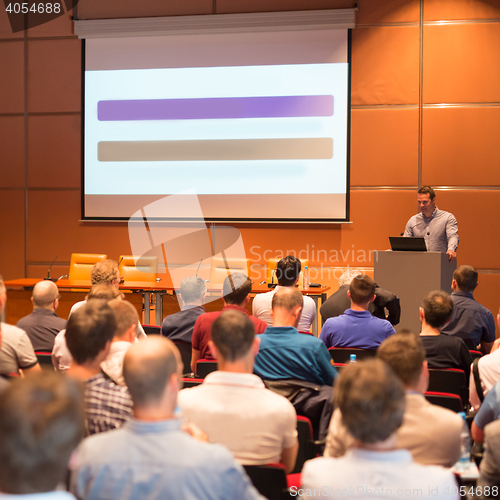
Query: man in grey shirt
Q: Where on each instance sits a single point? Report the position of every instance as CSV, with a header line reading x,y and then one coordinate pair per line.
x,y
437,227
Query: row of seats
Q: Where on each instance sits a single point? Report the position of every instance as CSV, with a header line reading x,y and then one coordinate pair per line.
x,y
146,267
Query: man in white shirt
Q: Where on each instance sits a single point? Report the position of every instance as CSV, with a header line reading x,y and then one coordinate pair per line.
x,y
287,273
233,406
372,402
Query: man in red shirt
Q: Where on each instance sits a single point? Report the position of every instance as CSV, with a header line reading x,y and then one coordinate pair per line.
x,y
236,295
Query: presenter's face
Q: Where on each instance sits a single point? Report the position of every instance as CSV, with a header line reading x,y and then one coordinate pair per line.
x,y
425,205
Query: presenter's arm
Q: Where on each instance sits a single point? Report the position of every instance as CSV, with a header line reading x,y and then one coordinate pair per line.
x,y
408,229
452,236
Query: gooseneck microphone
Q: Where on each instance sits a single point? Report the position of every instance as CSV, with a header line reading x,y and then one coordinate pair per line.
x,y
48,272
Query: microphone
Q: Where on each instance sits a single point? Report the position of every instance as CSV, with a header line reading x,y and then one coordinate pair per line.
x,y
196,275
122,280
272,284
48,278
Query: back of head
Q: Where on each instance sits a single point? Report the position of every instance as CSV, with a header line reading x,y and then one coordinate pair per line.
x,y
41,422
287,299
466,278
438,307
347,276
148,367
236,288
44,293
427,190
104,272
362,289
405,354
288,270
233,333
103,291
371,399
192,289
89,329
125,315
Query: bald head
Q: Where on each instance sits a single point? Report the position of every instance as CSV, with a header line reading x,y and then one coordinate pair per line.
x,y
148,368
287,307
44,295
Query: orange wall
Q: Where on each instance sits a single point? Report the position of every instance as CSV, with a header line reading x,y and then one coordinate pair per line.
x,y
425,110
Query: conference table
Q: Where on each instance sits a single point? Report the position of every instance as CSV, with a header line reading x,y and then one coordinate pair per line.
x,y
142,295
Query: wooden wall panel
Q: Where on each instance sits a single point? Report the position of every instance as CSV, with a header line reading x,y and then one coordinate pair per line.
x,y
478,217
5,29
385,65
40,270
488,293
442,10
61,26
12,233
12,81
54,75
384,147
389,11
461,63
54,151
54,229
460,146
12,151
237,6
97,9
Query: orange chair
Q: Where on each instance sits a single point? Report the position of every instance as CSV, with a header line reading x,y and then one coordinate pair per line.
x,y
271,270
81,265
146,268
219,271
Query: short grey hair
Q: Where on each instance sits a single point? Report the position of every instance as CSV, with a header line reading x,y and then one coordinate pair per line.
x,y
347,276
192,289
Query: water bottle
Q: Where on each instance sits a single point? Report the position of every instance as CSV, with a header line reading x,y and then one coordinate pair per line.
x,y
305,278
353,358
465,444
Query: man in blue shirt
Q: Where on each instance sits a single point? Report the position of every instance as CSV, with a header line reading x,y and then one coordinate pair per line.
x,y
287,354
469,319
152,457
357,327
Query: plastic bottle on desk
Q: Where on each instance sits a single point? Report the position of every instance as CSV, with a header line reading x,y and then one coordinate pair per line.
x,y
305,278
464,460
353,358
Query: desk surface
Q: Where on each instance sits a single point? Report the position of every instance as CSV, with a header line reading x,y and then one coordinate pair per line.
x,y
147,286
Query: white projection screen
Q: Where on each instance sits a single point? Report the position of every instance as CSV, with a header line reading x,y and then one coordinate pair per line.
x,y
255,124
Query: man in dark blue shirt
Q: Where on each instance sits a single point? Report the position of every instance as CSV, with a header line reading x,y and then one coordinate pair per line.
x,y
469,319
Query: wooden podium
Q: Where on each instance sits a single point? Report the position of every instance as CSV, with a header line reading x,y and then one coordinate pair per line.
x,y
410,275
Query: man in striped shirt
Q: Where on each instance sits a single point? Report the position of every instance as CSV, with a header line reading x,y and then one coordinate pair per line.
x,y
89,334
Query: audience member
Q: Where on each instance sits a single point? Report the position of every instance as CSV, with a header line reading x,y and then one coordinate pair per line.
x,y
16,351
61,357
488,370
469,319
443,351
357,327
424,424
151,457
89,333
126,328
489,468
371,400
339,301
41,423
233,406
179,326
236,295
285,353
488,412
287,273
43,324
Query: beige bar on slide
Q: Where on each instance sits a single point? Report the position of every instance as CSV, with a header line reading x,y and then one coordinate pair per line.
x,y
234,149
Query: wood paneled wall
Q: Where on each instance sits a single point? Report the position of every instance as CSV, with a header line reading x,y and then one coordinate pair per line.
x,y
425,110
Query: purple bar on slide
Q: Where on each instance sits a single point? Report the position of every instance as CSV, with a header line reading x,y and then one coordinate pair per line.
x,y
216,108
